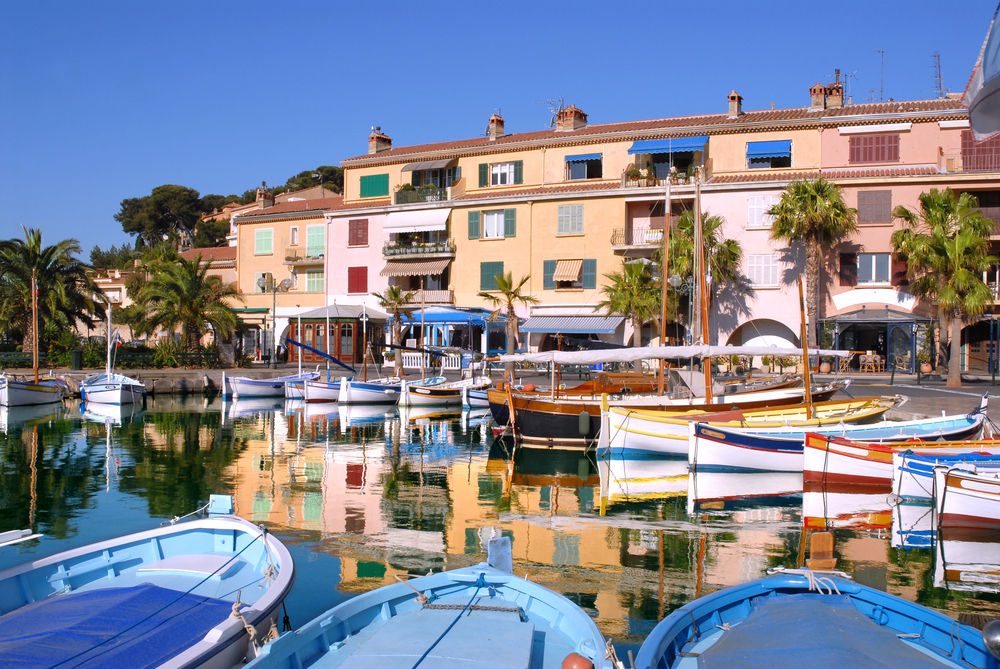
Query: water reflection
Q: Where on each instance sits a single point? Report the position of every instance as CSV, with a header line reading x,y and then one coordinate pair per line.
x,y
363,493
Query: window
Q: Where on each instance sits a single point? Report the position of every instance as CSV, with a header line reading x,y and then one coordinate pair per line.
x,y
569,274
375,185
357,279
583,167
757,207
762,270
980,156
314,281
492,224
495,224
357,232
263,243
874,149
848,269
765,155
499,174
487,275
293,235
315,241
873,268
570,219
875,206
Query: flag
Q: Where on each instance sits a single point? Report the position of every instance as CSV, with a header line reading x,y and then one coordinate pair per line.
x,y
116,338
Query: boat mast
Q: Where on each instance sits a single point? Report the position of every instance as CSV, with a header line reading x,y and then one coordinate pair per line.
x,y
805,353
34,324
703,269
664,266
107,365
423,337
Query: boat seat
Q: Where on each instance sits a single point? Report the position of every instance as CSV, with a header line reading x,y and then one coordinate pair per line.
x,y
821,552
219,567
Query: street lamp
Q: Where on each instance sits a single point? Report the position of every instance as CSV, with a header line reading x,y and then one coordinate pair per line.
x,y
283,286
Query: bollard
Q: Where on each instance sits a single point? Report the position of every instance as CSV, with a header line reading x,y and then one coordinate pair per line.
x,y
892,374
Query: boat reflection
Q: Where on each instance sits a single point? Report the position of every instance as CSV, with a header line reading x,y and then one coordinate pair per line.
x,y
913,526
723,491
831,506
252,406
635,479
116,414
12,418
968,560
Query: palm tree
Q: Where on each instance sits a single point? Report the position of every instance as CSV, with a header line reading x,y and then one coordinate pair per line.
x,y
812,212
66,293
509,294
940,212
632,293
182,294
947,249
397,303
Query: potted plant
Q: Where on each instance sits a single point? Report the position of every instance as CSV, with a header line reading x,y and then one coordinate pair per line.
x,y
633,173
924,358
766,361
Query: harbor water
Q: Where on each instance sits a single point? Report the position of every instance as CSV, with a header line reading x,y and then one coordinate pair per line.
x,y
360,494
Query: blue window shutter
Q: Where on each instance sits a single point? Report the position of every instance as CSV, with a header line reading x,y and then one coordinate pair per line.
x,y
548,271
487,275
473,225
510,222
589,274
484,175
518,171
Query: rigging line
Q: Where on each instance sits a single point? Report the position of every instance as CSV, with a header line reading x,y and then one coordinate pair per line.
x,y
480,584
162,608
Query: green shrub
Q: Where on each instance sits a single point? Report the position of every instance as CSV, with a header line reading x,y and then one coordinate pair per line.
x,y
59,349
166,353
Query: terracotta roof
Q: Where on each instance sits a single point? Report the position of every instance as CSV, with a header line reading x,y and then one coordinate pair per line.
x,y
297,205
848,173
760,176
542,190
680,125
212,254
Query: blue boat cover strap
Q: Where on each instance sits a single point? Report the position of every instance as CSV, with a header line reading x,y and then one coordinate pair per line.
x,y
818,631
125,628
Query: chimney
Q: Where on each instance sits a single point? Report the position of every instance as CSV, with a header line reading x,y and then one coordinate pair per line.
x,y
377,142
817,96
570,118
735,105
835,93
264,196
496,127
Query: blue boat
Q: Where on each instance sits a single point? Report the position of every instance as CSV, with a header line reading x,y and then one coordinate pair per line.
x,y
162,598
471,617
812,619
913,472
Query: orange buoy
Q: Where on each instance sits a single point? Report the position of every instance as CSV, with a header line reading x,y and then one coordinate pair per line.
x,y
528,387
576,661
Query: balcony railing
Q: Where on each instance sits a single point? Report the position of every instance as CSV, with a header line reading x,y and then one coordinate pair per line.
x,y
639,182
432,297
638,235
422,194
303,254
418,248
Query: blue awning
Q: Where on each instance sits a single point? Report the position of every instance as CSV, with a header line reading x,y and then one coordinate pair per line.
x,y
673,145
572,324
449,316
582,157
781,148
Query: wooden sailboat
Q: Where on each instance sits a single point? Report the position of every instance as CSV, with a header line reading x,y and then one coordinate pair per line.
x,y
110,388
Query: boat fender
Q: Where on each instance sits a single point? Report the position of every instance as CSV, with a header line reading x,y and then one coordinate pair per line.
x,y
991,637
576,661
584,423
528,387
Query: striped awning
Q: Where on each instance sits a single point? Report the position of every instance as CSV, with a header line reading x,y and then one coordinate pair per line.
x,y
567,270
573,324
414,267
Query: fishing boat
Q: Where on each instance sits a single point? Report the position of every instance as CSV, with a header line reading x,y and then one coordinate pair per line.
x,y
19,393
377,391
177,597
832,459
445,393
638,431
967,499
781,448
474,616
815,619
271,387
111,388
317,390
913,471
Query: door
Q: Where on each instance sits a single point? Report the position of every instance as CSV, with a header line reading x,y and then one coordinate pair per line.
x,y
900,348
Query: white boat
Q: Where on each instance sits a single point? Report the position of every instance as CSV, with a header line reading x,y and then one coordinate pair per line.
x,y
295,390
321,391
14,393
110,388
438,391
913,471
166,597
966,499
376,391
272,387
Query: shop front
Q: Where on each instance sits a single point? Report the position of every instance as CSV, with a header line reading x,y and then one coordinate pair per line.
x,y
882,340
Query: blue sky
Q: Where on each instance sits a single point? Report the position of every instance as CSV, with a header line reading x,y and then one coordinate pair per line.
x,y
101,101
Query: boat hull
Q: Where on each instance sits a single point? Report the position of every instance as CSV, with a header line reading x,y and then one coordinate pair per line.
x,y
322,391
22,393
273,387
113,393
965,499
913,471
353,391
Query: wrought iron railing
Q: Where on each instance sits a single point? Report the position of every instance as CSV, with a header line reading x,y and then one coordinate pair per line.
x,y
637,235
302,254
432,297
417,248
422,194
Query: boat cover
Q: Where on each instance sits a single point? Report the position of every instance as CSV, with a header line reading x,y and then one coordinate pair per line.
x,y
124,628
819,631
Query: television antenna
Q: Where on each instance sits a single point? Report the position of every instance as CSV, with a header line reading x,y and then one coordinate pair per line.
x,y
555,106
881,80
847,81
938,79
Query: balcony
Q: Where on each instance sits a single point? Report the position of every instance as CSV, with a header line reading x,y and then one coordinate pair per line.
x,y
425,249
640,181
303,255
429,297
421,194
648,235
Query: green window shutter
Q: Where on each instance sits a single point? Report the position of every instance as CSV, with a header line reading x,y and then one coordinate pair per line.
x,y
473,225
589,274
510,222
487,275
497,269
484,175
518,171
548,272
263,242
375,185
315,241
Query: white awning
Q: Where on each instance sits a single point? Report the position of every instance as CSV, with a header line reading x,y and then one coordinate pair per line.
x,y
417,221
567,270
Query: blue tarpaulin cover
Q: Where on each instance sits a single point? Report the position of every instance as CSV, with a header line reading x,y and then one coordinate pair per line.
x,y
781,148
818,631
124,628
673,145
